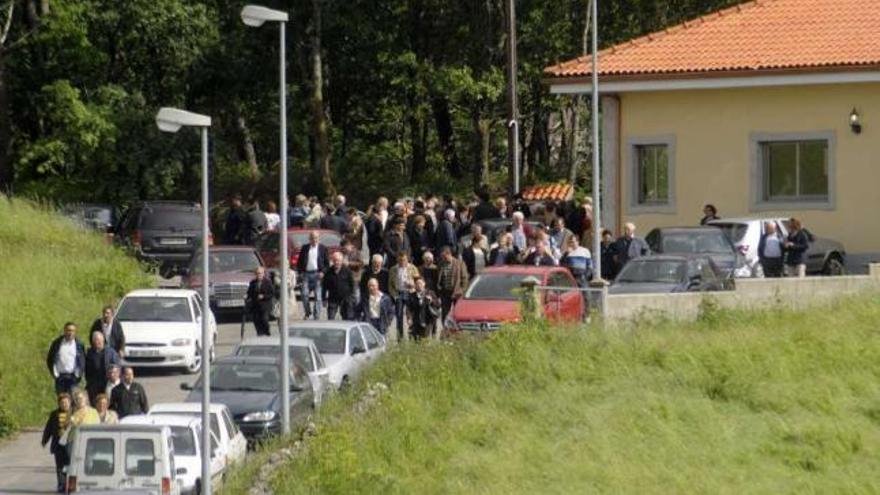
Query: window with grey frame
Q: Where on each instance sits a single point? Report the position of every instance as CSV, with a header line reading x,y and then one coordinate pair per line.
x,y
794,170
652,167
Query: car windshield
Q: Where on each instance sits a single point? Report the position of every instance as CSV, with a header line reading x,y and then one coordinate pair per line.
x,y
184,441
495,286
696,242
300,355
154,309
173,220
735,232
245,377
653,271
327,340
227,262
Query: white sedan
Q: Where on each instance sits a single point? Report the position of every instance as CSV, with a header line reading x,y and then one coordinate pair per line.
x,y
233,445
347,346
302,353
163,329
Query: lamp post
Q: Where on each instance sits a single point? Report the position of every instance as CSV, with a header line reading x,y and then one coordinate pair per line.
x,y
597,222
171,120
256,16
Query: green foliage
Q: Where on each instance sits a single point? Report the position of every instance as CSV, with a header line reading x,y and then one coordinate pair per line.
x,y
770,402
53,272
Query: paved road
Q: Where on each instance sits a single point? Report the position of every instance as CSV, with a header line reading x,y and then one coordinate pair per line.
x,y
26,468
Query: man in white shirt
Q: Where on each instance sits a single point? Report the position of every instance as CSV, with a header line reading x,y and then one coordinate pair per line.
x,y
66,360
313,261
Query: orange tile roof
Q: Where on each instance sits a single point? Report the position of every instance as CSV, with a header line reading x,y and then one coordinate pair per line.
x,y
552,192
761,35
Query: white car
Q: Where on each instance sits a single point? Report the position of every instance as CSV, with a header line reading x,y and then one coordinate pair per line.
x,y
302,352
163,329
186,436
346,346
233,445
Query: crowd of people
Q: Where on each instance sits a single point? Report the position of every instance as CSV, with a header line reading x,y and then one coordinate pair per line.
x,y
109,391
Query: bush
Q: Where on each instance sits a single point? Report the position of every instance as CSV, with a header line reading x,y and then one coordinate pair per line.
x,y
52,272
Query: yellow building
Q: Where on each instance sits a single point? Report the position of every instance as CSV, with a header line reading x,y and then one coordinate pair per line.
x,y
771,108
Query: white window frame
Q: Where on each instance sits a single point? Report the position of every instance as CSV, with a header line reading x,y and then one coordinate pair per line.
x,y
758,174
632,145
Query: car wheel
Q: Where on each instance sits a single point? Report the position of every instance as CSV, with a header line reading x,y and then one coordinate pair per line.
x,y
834,266
196,365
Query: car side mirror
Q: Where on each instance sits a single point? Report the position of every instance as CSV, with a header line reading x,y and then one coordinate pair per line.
x,y
357,350
185,386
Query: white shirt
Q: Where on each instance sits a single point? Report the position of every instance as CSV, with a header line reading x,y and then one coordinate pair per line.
x,y
106,328
404,281
312,264
65,361
383,217
272,221
375,306
772,247
110,385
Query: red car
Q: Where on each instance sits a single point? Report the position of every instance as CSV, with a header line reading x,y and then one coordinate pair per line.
x,y
270,244
490,299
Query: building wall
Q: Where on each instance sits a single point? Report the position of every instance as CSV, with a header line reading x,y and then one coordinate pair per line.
x,y
712,132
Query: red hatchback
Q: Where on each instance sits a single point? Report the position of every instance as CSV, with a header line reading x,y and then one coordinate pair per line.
x,y
491,299
270,244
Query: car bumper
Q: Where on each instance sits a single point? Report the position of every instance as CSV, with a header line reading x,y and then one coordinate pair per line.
x,y
167,357
176,259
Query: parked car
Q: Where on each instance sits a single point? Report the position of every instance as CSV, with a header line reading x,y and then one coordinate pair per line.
x,y
166,233
700,240
233,445
667,273
123,457
249,387
97,216
347,347
491,298
163,329
232,269
303,353
824,256
186,435
270,244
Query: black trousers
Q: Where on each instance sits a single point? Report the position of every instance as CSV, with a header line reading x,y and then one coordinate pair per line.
x,y
260,316
446,302
61,460
772,267
345,308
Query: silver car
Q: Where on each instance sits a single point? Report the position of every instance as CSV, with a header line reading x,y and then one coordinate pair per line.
x,y
824,256
302,353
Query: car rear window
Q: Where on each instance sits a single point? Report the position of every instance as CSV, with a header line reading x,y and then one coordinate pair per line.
x,y
652,271
183,440
328,341
300,355
227,262
170,309
140,458
696,242
171,220
733,231
99,457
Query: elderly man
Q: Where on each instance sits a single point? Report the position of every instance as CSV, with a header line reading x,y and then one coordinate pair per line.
x,y
66,360
377,271
129,397
629,247
520,232
99,359
312,263
770,251
260,298
452,279
401,284
540,256
112,330
446,233
376,307
339,284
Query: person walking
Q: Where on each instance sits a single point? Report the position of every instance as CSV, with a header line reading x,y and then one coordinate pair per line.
x,y
83,414
559,237
66,360
796,246
255,225
476,254
313,261
259,300
54,434
99,358
540,256
709,213
451,281
111,328
578,260
629,247
771,251
377,271
401,284
129,397
376,307
420,239
446,233
609,271
233,231
505,253
114,378
273,219
299,212
520,231
396,242
485,210
425,308
355,234
429,271
105,414
339,283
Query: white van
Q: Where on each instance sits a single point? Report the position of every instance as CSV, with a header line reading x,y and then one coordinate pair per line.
x,y
123,457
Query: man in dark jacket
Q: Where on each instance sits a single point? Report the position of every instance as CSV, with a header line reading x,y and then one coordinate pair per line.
x,y
313,261
99,359
112,330
540,256
796,246
376,307
396,242
259,300
485,210
233,233
339,284
771,251
53,432
66,360
255,225
375,233
629,247
375,270
335,222
446,232
129,397
425,308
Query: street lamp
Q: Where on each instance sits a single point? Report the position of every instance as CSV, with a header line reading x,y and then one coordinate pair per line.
x,y
172,120
256,16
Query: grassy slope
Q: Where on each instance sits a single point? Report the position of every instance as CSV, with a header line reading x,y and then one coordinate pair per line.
x,y
759,403
50,272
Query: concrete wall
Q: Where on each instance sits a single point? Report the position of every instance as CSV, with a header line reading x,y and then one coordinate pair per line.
x,y
749,294
711,130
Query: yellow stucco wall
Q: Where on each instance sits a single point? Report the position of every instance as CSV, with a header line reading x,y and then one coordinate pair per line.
x,y
712,131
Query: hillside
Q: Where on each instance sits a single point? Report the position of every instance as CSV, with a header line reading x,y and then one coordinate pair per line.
x,y
50,272
773,402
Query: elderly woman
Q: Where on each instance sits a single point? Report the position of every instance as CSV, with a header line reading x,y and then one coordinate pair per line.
x,y
54,434
83,414
105,414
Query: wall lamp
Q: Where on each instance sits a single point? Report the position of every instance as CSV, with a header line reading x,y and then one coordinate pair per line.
x,y
855,122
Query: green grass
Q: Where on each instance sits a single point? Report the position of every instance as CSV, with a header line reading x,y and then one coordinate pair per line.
x,y
774,402
50,272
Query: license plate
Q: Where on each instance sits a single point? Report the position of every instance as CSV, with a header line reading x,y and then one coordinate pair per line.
x,y
173,241
230,303
143,352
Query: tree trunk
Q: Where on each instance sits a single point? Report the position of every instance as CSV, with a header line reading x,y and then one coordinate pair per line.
x,y
482,135
319,123
246,149
446,136
418,144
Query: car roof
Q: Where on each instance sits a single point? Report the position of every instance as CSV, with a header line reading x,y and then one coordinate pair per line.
x,y
164,420
321,325
521,269
248,360
168,408
276,340
689,228
161,293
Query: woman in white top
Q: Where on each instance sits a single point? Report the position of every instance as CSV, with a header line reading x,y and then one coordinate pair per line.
x,y
273,219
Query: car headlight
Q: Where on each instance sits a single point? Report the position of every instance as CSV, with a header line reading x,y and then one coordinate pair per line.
x,y
259,416
181,342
